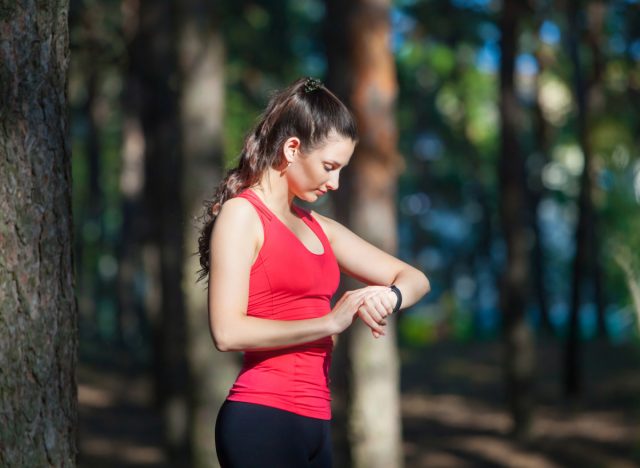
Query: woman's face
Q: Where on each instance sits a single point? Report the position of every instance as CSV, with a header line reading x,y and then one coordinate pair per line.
x,y
314,173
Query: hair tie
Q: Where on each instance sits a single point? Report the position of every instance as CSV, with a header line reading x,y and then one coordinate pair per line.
x,y
311,84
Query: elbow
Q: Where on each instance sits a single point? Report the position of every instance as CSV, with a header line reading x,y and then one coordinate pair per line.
x,y
222,342
225,333
224,346
221,346
427,285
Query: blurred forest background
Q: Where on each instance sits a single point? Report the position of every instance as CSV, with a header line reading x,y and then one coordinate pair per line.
x,y
515,182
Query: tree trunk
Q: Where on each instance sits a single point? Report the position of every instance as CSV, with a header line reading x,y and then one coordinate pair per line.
x,y
201,58
38,317
132,317
362,71
481,254
519,347
536,192
596,14
91,212
153,62
587,247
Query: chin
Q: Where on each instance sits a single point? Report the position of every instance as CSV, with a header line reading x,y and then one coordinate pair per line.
x,y
309,196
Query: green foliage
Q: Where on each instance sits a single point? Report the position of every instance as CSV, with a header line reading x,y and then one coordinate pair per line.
x,y
450,135
448,119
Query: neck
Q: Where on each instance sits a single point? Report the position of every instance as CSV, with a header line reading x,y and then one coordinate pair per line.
x,y
274,191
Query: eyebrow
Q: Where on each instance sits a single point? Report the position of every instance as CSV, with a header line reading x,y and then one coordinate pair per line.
x,y
336,163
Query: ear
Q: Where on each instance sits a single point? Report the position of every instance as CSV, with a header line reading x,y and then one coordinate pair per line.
x,y
291,148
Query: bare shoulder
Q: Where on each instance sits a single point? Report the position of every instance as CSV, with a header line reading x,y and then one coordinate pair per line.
x,y
239,219
239,206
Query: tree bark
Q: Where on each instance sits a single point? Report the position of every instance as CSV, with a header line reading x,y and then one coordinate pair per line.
x,y
362,71
201,58
519,347
38,316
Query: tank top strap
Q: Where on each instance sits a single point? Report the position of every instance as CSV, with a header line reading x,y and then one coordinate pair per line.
x,y
260,207
314,225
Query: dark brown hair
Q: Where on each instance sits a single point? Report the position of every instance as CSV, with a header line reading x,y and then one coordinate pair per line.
x,y
307,110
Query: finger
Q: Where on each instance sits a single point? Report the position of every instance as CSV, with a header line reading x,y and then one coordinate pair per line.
x,y
388,302
378,299
370,291
353,301
346,297
369,307
366,318
380,293
377,334
357,295
360,293
381,308
378,327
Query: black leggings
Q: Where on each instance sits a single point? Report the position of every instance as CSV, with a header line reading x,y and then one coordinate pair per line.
x,y
250,435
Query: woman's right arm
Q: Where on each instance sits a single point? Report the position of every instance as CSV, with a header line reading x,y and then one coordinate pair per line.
x,y
235,242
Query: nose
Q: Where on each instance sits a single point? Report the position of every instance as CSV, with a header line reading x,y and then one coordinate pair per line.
x,y
334,182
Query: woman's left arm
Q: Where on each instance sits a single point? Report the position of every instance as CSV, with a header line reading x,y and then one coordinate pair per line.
x,y
371,265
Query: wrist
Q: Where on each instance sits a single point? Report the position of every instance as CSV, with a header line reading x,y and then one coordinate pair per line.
x,y
330,326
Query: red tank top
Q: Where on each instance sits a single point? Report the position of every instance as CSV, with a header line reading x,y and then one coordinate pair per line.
x,y
289,282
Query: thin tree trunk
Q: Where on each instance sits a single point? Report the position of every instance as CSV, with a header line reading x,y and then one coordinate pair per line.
x,y
153,58
93,213
596,13
536,192
519,347
38,316
481,255
587,248
572,374
360,60
201,58
131,314
132,183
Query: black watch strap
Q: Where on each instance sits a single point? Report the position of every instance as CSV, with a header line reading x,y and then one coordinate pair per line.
x,y
395,289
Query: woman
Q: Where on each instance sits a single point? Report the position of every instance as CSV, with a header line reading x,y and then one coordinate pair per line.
x,y
273,268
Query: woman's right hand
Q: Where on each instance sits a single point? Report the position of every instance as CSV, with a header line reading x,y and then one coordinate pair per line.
x,y
343,313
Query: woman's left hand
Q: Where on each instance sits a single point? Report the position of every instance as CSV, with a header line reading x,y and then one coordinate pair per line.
x,y
378,304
